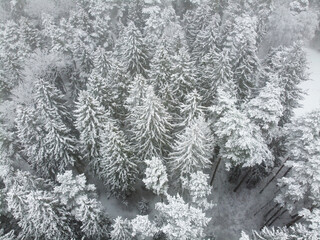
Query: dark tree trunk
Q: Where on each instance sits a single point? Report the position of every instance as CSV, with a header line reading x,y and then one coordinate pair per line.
x,y
242,180
275,206
275,219
279,170
215,171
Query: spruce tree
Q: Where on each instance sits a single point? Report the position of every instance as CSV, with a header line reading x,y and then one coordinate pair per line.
x,y
133,52
290,64
121,229
240,141
192,149
151,127
118,167
91,121
301,187
156,178
58,144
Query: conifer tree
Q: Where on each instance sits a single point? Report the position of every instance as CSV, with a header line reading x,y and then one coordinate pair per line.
x,y
290,64
156,178
133,52
199,189
79,199
190,226
91,122
151,127
240,141
118,168
191,108
183,77
37,211
266,109
121,229
192,149
143,228
58,144
301,186
161,73
137,91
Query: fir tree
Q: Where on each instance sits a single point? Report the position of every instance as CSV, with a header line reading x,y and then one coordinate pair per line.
x,y
133,52
290,65
91,121
302,144
121,229
80,200
266,109
192,108
58,145
118,168
143,228
151,127
156,178
192,149
199,189
240,141
190,226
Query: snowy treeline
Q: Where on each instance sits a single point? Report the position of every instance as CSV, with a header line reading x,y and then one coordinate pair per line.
x,y
155,95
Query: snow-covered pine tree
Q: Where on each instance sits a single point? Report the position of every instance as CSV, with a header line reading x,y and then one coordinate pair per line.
x,y
118,167
12,52
218,72
156,178
192,149
206,39
121,229
38,213
266,109
151,127
199,189
161,73
301,188
196,20
58,144
183,77
245,62
297,231
191,108
291,65
137,92
240,140
133,52
91,121
102,61
79,199
143,228
182,221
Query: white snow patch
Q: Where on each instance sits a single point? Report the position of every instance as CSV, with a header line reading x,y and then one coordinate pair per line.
x,y
312,87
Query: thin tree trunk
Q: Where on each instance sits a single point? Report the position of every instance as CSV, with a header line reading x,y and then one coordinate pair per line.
x,y
242,180
265,216
279,170
275,219
262,207
293,221
215,171
275,214
285,174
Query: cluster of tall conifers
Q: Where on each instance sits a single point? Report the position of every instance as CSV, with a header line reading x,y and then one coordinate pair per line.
x,y
117,86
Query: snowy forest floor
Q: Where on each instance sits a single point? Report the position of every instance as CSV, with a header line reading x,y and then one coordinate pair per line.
x,y
312,87
234,211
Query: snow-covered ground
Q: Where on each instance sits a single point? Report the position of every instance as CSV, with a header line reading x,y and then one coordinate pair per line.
x,y
312,87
